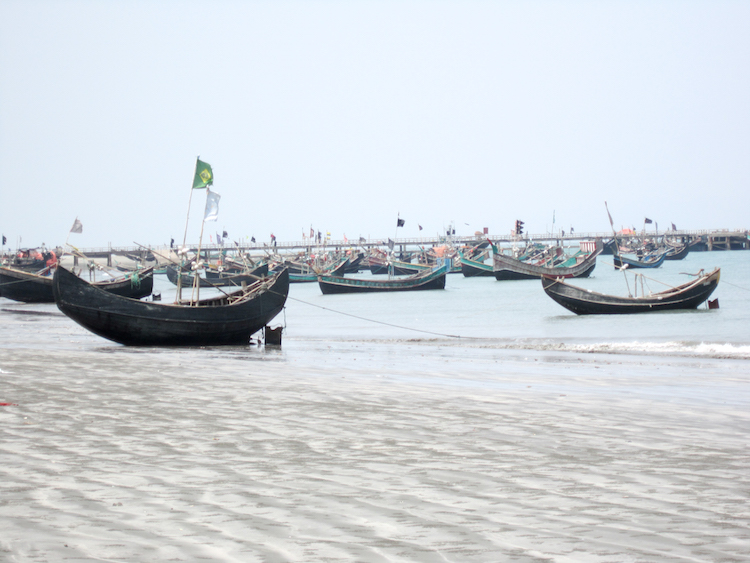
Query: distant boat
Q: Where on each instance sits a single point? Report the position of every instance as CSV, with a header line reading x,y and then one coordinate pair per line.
x,y
677,252
336,269
35,288
586,302
472,266
427,279
229,319
216,279
396,267
647,261
579,265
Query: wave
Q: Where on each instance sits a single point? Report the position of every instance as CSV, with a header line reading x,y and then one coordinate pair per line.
x,y
698,349
716,350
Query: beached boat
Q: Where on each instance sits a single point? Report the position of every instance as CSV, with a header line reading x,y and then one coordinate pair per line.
x,y
28,287
647,261
427,279
231,318
135,285
586,302
578,265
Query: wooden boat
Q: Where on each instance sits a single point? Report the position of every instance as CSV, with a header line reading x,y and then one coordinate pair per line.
x,y
216,279
335,269
36,288
677,252
355,265
428,279
471,268
230,319
648,261
396,268
135,284
28,287
586,302
579,265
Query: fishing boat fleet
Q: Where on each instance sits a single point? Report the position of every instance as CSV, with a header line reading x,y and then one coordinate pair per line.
x,y
242,294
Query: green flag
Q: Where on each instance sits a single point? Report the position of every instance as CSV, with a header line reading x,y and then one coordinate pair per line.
x,y
204,176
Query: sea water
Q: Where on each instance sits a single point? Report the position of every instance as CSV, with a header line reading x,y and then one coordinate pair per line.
x,y
482,422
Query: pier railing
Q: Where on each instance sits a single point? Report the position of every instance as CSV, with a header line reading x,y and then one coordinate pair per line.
x,y
416,243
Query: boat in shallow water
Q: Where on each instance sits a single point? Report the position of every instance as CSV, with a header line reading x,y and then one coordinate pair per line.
x,y
428,279
578,265
587,302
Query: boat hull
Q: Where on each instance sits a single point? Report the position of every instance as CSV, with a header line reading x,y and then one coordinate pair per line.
x,y
146,323
432,279
507,268
678,253
584,302
472,268
656,262
216,279
26,287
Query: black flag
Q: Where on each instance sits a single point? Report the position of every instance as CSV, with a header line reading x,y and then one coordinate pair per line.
x,y
400,222
4,240
647,220
391,244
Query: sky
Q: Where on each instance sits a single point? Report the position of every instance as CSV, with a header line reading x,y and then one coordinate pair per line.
x,y
343,116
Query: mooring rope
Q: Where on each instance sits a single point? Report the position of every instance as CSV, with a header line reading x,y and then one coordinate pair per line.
x,y
375,321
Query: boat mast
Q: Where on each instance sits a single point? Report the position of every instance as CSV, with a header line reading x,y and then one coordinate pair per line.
x,y
617,248
184,238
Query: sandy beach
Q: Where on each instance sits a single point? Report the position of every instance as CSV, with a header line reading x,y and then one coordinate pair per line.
x,y
333,453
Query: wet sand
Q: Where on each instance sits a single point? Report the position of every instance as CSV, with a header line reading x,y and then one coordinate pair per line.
x,y
402,451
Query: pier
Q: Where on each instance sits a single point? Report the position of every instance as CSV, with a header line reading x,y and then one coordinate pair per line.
x,y
702,240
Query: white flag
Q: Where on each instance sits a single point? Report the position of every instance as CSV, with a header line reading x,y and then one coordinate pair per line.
x,y
77,227
212,206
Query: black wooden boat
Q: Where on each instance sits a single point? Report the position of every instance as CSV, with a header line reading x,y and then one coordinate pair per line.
x,y
36,288
312,273
647,261
135,284
586,302
20,285
577,266
229,319
427,279
471,268
677,252
396,268
216,279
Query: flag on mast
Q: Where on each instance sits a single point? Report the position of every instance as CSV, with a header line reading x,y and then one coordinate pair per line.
x,y
212,206
608,215
204,176
77,226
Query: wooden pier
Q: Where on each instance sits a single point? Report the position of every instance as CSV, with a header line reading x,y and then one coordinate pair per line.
x,y
703,240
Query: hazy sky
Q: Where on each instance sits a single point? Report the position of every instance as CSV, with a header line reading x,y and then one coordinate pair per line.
x,y
343,115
